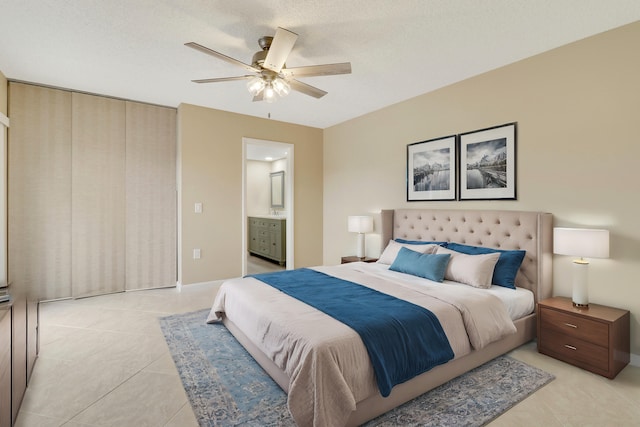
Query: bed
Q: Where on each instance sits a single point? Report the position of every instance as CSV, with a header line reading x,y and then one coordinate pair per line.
x,y
326,371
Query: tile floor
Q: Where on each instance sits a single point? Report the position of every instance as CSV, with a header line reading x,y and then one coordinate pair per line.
x,y
255,265
104,362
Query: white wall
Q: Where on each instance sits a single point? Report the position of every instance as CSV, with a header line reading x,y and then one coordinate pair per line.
x,y
259,185
277,166
258,189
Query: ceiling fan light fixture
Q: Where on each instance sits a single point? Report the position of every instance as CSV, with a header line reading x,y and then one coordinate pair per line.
x,y
256,85
270,76
269,93
281,87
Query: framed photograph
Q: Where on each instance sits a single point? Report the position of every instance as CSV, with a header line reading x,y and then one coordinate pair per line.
x,y
488,163
431,169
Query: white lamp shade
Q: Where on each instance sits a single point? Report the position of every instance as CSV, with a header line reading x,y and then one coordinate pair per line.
x,y
581,242
360,224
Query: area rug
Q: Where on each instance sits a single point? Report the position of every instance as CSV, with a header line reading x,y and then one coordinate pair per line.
x,y
226,387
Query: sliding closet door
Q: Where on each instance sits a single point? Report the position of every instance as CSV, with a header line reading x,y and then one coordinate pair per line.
x,y
39,187
98,195
151,196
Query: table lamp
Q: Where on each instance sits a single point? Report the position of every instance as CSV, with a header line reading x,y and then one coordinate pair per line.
x,y
360,224
581,242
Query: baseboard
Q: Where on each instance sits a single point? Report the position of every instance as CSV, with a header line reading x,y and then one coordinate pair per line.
x,y
212,282
635,360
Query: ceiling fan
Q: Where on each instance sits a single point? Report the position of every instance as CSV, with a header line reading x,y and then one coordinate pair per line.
x,y
270,74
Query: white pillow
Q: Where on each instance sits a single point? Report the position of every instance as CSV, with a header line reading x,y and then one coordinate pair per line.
x,y
473,270
391,251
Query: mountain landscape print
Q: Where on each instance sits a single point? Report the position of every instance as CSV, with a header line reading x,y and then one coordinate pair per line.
x,y
487,164
431,170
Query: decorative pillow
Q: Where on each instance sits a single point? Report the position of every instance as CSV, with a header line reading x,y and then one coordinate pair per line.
x,y
473,270
429,266
391,251
506,268
420,242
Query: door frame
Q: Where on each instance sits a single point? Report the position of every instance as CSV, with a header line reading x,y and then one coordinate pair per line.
x,y
4,125
288,198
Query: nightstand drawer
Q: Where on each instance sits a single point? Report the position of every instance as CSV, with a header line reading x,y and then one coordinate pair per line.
x,y
574,326
574,350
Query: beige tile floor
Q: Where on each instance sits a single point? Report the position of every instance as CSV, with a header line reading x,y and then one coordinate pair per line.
x,y
104,362
255,265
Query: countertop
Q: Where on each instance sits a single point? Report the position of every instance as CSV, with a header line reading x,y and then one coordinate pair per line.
x,y
269,216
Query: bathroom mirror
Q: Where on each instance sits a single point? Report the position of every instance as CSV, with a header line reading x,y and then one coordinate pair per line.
x,y
277,189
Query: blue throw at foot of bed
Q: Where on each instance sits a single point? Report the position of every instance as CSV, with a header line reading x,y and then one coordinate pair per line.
x,y
403,340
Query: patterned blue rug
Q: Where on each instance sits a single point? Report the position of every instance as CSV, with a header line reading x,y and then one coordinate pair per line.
x,y
226,387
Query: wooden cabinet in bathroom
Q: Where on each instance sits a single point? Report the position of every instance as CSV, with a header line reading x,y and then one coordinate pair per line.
x,y
267,238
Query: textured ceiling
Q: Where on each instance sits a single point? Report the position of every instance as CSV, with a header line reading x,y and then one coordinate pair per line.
x,y
134,49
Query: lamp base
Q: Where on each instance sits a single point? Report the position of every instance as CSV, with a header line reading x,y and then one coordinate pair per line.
x,y
580,294
360,253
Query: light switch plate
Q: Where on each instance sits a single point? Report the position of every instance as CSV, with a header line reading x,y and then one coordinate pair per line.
x,y
196,254
198,207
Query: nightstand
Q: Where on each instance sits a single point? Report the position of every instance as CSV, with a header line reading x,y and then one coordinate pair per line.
x,y
353,258
596,338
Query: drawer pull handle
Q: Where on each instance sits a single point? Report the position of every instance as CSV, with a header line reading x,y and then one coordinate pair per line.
x,y
570,347
570,325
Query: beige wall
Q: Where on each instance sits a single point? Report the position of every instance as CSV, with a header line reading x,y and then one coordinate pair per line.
x,y
210,146
577,154
4,89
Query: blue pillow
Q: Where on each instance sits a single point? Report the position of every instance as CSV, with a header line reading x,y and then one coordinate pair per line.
x,y
506,268
420,242
429,266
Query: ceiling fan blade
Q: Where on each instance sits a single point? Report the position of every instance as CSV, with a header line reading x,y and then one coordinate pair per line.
x,y
306,89
317,70
280,49
222,79
222,56
259,97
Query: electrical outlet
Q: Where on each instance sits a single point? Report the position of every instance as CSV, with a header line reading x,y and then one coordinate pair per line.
x,y
196,254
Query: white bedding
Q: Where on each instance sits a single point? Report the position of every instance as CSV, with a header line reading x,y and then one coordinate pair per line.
x,y
519,302
328,365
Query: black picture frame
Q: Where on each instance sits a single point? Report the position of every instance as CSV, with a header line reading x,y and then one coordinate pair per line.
x,y
487,163
431,169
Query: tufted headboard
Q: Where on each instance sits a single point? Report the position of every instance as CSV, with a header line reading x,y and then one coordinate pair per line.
x,y
530,231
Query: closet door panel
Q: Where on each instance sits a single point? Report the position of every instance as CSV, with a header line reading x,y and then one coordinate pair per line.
x,y
39,183
98,201
150,196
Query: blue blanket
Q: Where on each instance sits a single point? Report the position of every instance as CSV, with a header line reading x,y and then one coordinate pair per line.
x,y
403,340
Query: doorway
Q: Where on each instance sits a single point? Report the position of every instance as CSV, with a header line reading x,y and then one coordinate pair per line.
x,y
261,158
